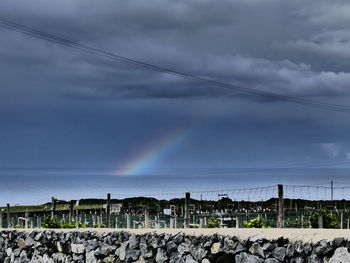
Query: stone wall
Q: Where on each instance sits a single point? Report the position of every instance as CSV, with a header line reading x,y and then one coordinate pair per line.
x,y
49,246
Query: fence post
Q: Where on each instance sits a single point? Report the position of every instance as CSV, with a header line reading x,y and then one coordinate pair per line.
x,y
146,217
71,210
237,222
108,211
187,210
26,216
302,220
320,221
128,221
0,219
341,220
280,215
8,216
53,207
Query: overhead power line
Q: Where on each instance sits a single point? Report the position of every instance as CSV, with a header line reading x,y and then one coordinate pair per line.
x,y
212,83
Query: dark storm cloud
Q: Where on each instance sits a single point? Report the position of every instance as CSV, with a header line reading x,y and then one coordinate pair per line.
x,y
254,44
60,107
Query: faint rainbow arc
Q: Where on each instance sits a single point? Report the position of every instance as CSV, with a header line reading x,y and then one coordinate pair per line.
x,y
155,151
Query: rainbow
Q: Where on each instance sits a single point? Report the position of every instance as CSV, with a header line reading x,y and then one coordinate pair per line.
x,y
150,155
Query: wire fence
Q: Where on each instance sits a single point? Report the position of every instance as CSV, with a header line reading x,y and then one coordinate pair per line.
x,y
168,210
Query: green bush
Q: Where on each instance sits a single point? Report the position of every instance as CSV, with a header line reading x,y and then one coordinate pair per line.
x,y
329,219
49,222
213,223
255,223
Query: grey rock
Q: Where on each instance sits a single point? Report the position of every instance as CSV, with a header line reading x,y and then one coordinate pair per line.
x,y
315,259
23,257
110,259
184,248
91,245
279,253
39,236
121,251
146,252
239,248
179,238
58,246
198,252
176,257
104,250
47,259
134,241
190,259
90,257
132,255
77,248
297,260
208,244
241,257
229,245
29,241
271,260
255,238
257,250
16,252
171,247
246,258
341,254
268,246
59,257
322,248
161,256
290,251
338,242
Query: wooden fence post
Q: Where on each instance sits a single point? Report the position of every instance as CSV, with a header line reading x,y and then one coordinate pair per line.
x,y
8,216
108,211
53,206
128,221
146,217
320,221
341,220
187,210
26,219
280,215
71,210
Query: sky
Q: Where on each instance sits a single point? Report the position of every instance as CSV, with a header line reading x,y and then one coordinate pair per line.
x,y
76,124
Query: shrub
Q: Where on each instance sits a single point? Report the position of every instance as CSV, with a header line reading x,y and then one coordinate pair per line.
x,y
329,219
213,223
255,223
49,222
